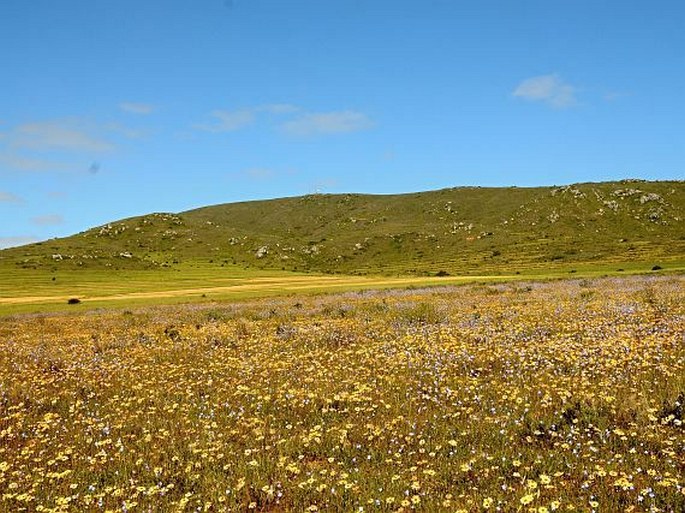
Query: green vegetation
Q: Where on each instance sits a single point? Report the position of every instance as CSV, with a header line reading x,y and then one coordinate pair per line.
x,y
34,290
468,230
228,251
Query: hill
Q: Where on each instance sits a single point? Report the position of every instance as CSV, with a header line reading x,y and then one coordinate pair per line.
x,y
464,230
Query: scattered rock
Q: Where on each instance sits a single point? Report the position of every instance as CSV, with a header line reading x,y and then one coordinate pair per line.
x,y
612,204
626,193
652,196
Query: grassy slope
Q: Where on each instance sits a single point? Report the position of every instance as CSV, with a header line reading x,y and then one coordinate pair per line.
x,y
545,232
461,231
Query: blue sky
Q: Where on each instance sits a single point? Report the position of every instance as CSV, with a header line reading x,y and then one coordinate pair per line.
x,y
111,109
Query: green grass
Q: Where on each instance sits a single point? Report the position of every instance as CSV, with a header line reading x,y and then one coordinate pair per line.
x,y
459,231
34,290
470,233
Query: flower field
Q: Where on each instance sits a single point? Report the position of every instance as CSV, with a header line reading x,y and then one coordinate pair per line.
x,y
558,396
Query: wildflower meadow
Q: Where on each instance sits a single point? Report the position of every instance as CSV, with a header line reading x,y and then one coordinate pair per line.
x,y
531,397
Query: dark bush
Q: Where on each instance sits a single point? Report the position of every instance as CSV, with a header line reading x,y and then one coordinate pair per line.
x,y
173,333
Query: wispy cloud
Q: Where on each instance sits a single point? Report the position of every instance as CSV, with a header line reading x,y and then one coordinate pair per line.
x,y
549,89
293,120
58,145
11,242
278,108
327,123
129,133
48,220
57,135
8,197
228,121
137,108
18,162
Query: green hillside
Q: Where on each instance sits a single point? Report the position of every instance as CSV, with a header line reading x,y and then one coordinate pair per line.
x,y
465,230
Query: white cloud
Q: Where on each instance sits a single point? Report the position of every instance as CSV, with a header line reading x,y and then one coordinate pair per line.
x,y
549,89
11,242
8,197
48,220
301,124
57,135
129,133
18,162
137,108
228,121
327,123
57,145
278,108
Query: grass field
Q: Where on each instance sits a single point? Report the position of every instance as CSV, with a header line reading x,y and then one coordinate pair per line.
x,y
40,290
527,396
